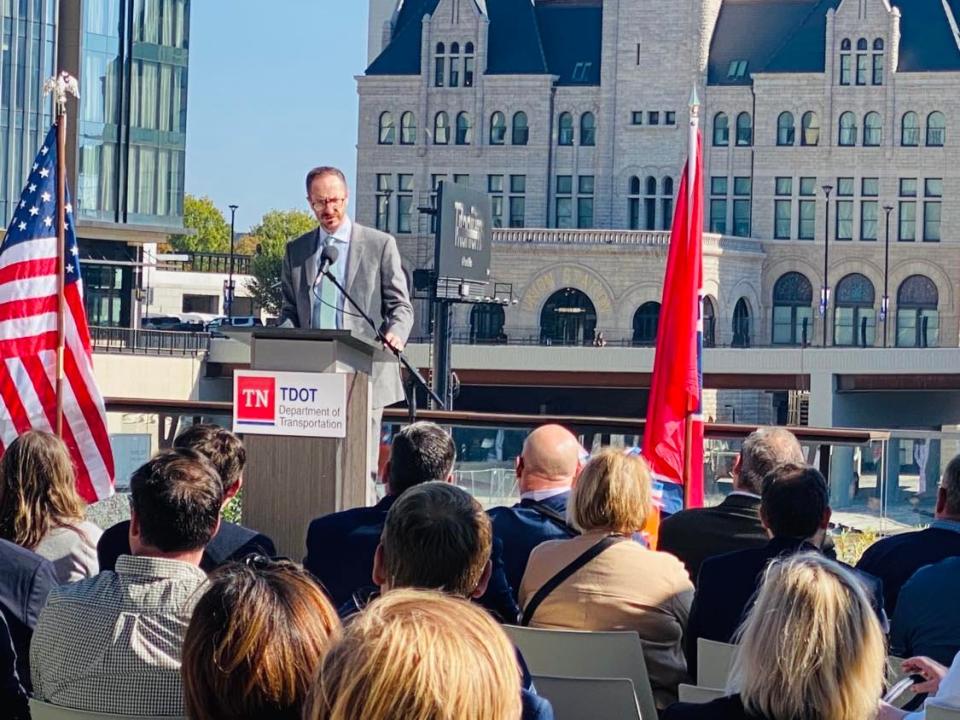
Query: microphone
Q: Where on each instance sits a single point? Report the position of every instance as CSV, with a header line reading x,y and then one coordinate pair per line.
x,y
327,258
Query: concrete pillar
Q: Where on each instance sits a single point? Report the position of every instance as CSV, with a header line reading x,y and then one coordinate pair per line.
x,y
821,399
889,489
841,476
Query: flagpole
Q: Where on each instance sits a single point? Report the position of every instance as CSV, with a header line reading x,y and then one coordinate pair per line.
x,y
691,179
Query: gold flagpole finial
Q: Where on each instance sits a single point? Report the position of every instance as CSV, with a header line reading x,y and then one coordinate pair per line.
x,y
62,85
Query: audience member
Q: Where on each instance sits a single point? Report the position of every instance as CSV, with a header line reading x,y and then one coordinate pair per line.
x,y
795,509
546,468
40,508
13,697
941,684
896,558
232,541
418,655
603,580
25,581
112,644
811,647
341,546
696,534
927,618
255,642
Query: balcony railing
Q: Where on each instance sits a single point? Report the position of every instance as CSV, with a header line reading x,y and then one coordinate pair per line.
x,y
210,263
148,342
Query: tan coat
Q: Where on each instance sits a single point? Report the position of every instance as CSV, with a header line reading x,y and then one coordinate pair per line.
x,y
626,587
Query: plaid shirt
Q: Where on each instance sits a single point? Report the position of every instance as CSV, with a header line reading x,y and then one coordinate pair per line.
x,y
111,644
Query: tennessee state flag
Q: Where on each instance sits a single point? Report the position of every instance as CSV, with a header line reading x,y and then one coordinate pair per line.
x,y
676,387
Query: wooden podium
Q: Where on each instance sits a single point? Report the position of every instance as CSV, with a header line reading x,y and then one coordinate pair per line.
x,y
289,481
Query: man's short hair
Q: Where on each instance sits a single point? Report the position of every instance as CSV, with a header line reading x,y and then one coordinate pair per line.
x,y
177,497
421,452
436,537
765,449
951,485
220,446
324,170
794,499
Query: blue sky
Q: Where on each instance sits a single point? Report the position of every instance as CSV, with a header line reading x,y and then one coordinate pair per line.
x,y
271,94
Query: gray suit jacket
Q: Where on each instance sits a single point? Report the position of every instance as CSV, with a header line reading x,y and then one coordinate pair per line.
x,y
374,279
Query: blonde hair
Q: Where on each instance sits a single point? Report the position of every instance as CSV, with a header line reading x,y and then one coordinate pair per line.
x,y
812,646
418,655
37,489
612,493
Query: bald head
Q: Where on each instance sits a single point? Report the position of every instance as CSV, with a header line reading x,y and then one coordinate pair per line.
x,y
765,449
550,459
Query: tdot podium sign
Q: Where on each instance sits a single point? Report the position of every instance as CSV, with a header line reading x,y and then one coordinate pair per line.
x,y
290,403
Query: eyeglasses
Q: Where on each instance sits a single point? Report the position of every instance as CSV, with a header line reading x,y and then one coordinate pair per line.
x,y
322,203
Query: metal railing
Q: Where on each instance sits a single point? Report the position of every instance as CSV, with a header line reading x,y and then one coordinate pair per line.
x,y
136,341
210,263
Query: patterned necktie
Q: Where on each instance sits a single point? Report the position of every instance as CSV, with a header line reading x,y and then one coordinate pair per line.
x,y
325,299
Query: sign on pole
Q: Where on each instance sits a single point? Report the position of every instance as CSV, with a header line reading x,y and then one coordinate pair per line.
x,y
290,403
464,234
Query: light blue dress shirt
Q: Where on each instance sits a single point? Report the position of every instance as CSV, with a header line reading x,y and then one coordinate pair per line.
x,y
326,289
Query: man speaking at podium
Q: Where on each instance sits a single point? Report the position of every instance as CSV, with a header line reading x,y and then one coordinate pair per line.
x,y
367,264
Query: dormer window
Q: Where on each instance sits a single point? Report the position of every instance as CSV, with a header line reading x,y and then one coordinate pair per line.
x,y
737,70
581,72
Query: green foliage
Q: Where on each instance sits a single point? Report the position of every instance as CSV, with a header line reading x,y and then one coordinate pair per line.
x,y
212,229
233,510
275,229
851,544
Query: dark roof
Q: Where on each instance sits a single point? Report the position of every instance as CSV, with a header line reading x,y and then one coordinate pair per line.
x,y
402,55
513,45
572,35
927,42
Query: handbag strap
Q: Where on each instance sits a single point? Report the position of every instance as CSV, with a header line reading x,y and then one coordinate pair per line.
x,y
550,514
553,583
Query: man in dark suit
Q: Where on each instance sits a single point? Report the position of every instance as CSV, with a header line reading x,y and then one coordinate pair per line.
x,y
697,534
546,468
232,541
795,510
25,581
341,546
896,558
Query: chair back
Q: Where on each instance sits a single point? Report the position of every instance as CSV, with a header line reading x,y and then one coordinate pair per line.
x,y
45,711
584,654
575,698
938,712
698,694
714,660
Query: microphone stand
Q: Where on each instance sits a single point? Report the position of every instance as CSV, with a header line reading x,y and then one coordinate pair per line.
x,y
414,373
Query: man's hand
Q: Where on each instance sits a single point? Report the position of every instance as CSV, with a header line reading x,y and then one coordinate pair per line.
x,y
932,672
392,341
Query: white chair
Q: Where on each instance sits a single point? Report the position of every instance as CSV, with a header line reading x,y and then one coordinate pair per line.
x,y
45,711
575,698
698,694
583,654
714,660
936,712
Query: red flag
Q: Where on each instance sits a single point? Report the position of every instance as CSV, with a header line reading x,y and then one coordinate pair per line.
x,y
676,387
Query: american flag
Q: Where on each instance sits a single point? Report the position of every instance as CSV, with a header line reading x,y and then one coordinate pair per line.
x,y
28,333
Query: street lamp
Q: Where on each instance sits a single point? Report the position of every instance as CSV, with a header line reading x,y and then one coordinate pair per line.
x,y
233,235
885,302
825,290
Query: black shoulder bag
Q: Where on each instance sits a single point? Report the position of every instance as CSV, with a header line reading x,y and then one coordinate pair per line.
x,y
550,514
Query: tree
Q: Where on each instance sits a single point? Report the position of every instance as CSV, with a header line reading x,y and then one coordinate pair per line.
x,y
271,235
212,231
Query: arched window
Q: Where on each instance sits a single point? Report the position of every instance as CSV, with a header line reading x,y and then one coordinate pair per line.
x,y
565,129
936,129
568,318
454,74
439,65
785,129
792,310
848,129
845,45
721,130
744,129
666,203
810,129
645,321
877,62
588,129
742,331
498,128
709,323
468,63
878,45
862,44
633,203
388,131
650,204
918,319
910,129
872,129
846,62
854,321
521,131
408,128
486,324
464,129
441,128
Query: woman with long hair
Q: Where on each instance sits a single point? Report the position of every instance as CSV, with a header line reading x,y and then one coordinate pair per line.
x,y
40,508
811,648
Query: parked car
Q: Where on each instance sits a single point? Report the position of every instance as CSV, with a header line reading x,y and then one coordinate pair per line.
x,y
238,321
161,322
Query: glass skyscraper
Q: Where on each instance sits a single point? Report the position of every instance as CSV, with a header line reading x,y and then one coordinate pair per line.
x,y
28,34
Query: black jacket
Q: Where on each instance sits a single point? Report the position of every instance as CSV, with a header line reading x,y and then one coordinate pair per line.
x,y
727,708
